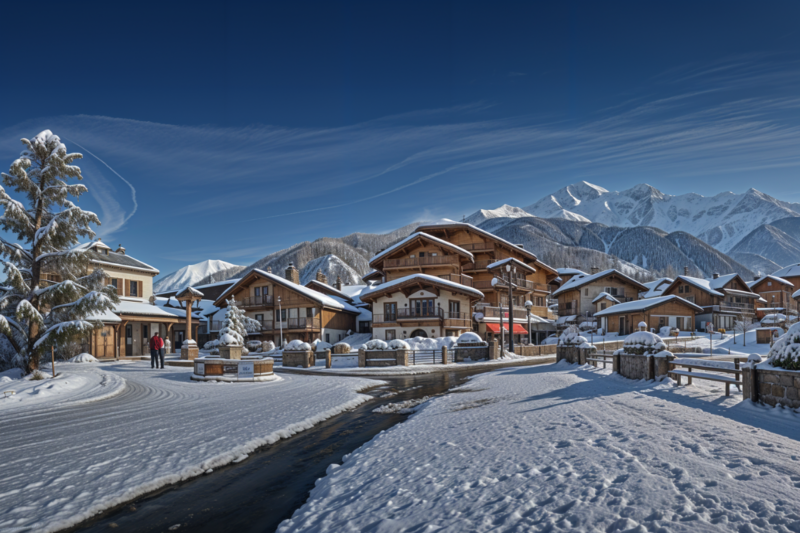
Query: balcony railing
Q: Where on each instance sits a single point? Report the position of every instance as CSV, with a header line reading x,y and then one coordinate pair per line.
x,y
480,264
423,313
495,312
432,260
258,301
304,323
458,278
477,247
456,319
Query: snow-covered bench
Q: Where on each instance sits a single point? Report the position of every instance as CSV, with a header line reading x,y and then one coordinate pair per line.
x,y
710,370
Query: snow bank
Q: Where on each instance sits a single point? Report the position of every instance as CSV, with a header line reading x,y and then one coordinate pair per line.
x,y
785,353
84,358
376,344
431,343
469,336
76,386
398,344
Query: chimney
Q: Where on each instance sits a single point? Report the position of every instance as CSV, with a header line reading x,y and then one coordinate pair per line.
x,y
120,250
322,278
594,270
716,275
756,278
685,271
292,274
269,270
338,284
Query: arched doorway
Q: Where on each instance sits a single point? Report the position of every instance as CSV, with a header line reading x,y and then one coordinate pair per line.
x,y
418,333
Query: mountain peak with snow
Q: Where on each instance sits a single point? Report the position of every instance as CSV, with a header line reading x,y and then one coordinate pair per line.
x,y
504,211
190,275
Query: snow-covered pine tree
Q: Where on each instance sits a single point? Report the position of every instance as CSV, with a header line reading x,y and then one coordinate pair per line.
x,y
236,326
35,315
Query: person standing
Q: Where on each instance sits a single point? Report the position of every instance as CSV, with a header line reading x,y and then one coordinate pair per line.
x,y
156,351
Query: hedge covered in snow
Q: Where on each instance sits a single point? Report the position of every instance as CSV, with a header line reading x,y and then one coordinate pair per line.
x,y
376,344
572,338
785,353
643,343
298,346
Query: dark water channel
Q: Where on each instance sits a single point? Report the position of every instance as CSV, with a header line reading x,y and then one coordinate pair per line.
x,y
259,493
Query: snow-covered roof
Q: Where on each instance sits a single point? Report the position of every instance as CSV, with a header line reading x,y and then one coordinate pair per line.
x,y
106,317
796,294
710,285
422,235
581,280
570,272
641,305
606,296
189,291
446,222
132,307
112,258
311,294
743,294
565,319
657,287
770,277
514,262
433,280
316,283
788,272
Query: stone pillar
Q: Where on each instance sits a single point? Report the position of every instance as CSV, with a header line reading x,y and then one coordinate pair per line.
x,y
228,352
651,368
444,355
362,357
401,357
328,359
663,366
493,349
581,356
615,363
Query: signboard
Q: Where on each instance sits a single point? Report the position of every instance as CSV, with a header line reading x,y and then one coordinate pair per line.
x,y
230,369
200,369
247,370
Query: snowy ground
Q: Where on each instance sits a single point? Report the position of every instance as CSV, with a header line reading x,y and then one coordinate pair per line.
x,y
74,384
63,464
562,448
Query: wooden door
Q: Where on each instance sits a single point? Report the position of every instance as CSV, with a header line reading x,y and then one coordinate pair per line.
x,y
129,339
145,339
621,326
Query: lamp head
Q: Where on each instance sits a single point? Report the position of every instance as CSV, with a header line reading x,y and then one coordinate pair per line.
x,y
508,268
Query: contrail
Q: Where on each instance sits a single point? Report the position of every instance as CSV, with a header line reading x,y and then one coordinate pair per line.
x,y
133,189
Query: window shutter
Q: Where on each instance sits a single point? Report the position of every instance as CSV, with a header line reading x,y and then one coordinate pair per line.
x,y
127,287
120,281
139,292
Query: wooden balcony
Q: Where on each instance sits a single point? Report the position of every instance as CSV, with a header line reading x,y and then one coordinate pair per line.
x,y
415,262
303,323
478,247
734,307
420,314
494,312
459,278
480,264
265,300
448,320
524,285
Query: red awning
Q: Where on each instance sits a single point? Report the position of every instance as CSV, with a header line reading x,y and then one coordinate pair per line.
x,y
495,328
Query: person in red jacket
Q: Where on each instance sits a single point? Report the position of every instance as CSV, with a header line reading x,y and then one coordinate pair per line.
x,y
156,344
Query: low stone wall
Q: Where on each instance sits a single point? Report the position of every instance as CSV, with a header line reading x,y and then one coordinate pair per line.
x,y
772,386
636,366
572,354
383,357
532,350
305,359
473,353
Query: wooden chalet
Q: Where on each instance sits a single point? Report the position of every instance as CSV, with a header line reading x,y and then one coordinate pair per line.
x,y
662,311
533,282
287,310
578,298
724,299
791,274
777,292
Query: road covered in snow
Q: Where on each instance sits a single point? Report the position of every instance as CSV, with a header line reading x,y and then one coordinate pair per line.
x,y
62,463
74,384
562,448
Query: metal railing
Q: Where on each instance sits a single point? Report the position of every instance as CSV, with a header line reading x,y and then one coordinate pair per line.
x,y
406,314
422,261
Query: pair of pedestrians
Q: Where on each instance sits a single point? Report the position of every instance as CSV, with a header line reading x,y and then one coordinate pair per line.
x,y
157,349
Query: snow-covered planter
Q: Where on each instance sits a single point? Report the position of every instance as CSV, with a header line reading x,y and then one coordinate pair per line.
x,y
297,346
573,347
643,343
785,353
376,344
253,346
469,338
298,353
643,355
267,346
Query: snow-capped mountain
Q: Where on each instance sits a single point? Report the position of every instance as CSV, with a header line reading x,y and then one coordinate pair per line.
x,y
504,211
190,275
332,267
721,220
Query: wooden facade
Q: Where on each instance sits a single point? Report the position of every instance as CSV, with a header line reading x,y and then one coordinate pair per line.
x,y
778,295
674,313
287,310
724,299
576,297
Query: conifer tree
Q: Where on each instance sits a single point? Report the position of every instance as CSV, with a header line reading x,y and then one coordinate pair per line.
x,y
36,313
236,326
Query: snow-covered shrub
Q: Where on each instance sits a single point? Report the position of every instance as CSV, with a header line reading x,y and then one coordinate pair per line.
x,y
298,346
432,343
267,346
376,344
785,353
211,344
321,346
469,337
83,358
572,338
643,343
398,344
341,347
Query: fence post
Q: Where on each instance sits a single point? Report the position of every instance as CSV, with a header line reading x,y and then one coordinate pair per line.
x,y
444,355
362,357
615,363
328,359
753,382
651,368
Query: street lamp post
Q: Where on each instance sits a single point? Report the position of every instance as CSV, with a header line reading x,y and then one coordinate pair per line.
x,y
280,320
510,308
528,305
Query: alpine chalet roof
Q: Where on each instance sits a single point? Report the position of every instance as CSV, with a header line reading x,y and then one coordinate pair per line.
x,y
579,281
788,272
423,237
96,252
657,287
514,263
643,305
606,296
712,286
782,281
417,279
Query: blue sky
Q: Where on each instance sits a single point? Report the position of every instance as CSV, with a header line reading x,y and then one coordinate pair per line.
x,y
224,131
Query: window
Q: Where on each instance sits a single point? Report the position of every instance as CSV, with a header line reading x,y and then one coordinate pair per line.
x,y
328,338
390,334
769,284
455,309
422,254
433,254
134,288
586,292
423,307
690,299
257,292
260,318
679,322
309,312
680,289
602,306
114,283
390,311
283,315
